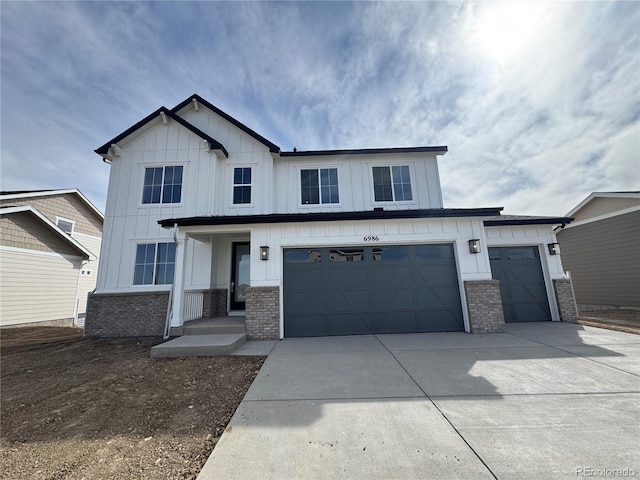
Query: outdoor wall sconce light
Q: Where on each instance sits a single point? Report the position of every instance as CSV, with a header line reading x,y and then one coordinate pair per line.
x,y
554,248
264,253
474,245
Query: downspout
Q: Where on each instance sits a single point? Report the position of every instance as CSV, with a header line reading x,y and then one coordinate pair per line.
x,y
167,323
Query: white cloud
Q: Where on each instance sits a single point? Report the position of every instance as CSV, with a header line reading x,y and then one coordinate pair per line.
x,y
537,111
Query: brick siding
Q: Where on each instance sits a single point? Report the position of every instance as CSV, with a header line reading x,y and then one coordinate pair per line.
x,y
126,314
262,313
484,304
214,303
566,301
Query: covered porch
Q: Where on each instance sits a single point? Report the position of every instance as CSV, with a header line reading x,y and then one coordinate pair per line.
x,y
213,279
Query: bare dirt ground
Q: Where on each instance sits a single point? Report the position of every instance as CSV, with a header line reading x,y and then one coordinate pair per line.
x,y
76,408
621,320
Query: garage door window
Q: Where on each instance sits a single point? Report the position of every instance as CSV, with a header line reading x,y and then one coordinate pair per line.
x,y
427,252
302,255
346,255
391,254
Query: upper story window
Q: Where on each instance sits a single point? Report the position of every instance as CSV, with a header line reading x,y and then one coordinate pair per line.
x,y
241,185
155,264
65,225
392,184
319,185
162,185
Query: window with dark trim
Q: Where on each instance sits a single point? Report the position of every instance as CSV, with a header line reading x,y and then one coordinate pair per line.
x,y
241,185
319,185
155,263
162,185
392,184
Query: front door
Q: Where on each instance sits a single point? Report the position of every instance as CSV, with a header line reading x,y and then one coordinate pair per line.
x,y
239,275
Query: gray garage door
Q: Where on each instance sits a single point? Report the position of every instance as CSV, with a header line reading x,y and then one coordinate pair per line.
x,y
522,287
365,290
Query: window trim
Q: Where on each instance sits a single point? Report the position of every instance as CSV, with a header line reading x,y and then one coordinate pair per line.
x,y
301,168
393,192
155,264
72,222
234,185
145,166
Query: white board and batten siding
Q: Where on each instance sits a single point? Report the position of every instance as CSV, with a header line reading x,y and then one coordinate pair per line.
x,y
355,182
37,286
207,189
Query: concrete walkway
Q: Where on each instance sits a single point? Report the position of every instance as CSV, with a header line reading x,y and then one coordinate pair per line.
x,y
544,400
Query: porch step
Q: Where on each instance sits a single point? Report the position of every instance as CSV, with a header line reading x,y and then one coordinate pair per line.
x,y
212,326
200,345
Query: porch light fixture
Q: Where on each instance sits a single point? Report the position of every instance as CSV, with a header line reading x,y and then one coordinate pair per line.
x,y
264,253
554,248
474,245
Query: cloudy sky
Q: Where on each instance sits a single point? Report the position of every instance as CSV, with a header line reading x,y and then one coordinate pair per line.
x,y
539,103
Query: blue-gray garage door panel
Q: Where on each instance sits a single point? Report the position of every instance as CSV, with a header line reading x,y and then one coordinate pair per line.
x,y
365,290
522,286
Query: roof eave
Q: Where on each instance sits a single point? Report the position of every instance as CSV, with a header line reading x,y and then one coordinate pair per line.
x,y
67,238
541,221
273,148
438,150
329,216
108,151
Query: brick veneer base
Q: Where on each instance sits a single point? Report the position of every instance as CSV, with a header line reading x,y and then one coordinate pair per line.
x,y
214,303
126,314
484,304
565,299
262,313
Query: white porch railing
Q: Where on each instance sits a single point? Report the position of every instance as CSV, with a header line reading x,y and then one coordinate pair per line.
x,y
193,301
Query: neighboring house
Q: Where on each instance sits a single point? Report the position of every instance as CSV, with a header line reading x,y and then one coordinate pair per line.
x,y
49,247
305,243
601,250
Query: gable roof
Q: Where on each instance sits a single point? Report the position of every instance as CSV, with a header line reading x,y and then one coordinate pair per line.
x,y
67,238
19,194
107,152
273,148
594,195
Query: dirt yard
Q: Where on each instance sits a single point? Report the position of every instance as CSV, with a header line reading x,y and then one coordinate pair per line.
x,y
75,408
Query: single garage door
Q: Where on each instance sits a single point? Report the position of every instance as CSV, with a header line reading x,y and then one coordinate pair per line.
x,y
522,287
365,290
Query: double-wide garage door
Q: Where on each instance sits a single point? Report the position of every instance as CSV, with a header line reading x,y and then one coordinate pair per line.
x,y
365,290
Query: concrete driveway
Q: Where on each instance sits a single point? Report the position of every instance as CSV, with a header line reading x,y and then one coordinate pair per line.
x,y
544,400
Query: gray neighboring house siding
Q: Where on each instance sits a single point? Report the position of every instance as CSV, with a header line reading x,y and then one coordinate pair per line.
x,y
603,257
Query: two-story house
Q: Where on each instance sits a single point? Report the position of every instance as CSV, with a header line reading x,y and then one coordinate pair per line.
x,y
208,217
49,250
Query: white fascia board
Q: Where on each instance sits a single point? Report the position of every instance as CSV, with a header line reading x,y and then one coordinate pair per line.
x,y
55,192
602,195
600,217
51,225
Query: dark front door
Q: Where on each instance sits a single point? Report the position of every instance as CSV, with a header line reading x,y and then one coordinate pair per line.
x,y
239,275
366,290
522,287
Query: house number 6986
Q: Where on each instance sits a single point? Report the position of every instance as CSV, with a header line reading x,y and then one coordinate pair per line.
x,y
372,238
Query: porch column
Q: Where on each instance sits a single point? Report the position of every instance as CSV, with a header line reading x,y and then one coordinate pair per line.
x,y
178,279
